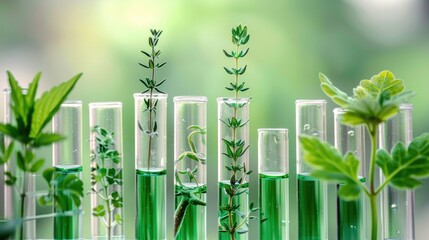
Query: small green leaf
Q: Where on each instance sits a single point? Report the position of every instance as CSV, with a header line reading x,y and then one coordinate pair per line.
x,y
48,174
37,166
228,71
99,211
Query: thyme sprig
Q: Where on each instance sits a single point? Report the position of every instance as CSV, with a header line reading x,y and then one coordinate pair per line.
x,y
151,86
236,148
104,177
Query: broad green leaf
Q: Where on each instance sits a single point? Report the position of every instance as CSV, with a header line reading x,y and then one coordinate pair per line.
x,y
405,166
9,130
49,104
385,81
44,139
328,164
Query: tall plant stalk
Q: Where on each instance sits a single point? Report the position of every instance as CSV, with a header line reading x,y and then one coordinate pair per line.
x,y
151,85
235,147
373,103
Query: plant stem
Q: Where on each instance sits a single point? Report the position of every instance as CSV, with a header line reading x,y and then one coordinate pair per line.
x,y
373,195
373,199
179,215
150,111
109,218
23,194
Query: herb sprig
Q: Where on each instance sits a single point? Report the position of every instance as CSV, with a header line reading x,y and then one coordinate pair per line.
x,y
235,148
152,86
373,102
31,115
104,176
190,195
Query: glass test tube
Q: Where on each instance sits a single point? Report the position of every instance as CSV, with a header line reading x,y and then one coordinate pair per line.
x,y
151,169
397,206
190,180
11,196
351,215
273,158
106,163
312,193
67,160
233,134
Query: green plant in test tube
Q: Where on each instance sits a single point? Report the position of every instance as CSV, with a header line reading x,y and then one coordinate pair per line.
x,y
312,193
351,215
150,148
374,101
67,160
273,184
190,167
30,117
106,170
233,129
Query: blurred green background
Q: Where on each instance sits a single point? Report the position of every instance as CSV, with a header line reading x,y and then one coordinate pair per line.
x,y
291,41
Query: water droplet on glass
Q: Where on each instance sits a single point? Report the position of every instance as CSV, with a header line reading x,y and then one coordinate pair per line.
x,y
276,139
306,129
394,207
314,132
351,133
398,232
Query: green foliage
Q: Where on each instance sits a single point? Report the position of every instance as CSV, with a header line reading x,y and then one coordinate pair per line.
x,y
403,167
374,101
328,164
149,82
239,37
105,174
31,115
61,188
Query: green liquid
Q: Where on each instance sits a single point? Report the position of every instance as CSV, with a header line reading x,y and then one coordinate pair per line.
x,y
151,204
194,222
67,227
350,225
243,201
273,203
312,207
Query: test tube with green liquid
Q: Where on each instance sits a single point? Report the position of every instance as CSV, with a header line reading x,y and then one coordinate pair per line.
x,y
312,193
273,184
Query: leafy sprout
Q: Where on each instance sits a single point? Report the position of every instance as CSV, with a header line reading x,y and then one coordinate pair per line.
x,y
235,148
105,175
151,86
374,101
31,115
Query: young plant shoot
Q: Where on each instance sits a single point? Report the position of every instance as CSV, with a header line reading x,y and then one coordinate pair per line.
x,y
373,102
150,148
31,115
106,176
234,209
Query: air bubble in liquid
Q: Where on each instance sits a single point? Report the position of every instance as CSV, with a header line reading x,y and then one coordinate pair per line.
x,y
351,133
314,132
306,128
